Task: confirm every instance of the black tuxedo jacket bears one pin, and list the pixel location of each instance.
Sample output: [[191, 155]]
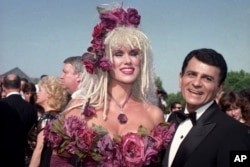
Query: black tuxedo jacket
[[12, 140], [209, 142], [26, 111]]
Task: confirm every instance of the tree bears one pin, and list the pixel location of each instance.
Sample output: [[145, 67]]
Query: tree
[[158, 82], [237, 80]]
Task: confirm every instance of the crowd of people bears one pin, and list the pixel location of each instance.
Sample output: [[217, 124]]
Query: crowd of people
[[104, 110]]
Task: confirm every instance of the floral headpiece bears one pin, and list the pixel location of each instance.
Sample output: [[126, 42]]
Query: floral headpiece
[[110, 19]]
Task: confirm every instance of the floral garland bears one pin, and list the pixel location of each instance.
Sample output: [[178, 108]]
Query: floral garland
[[109, 20], [94, 146]]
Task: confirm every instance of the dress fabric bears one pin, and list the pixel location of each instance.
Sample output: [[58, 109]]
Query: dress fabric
[[94, 147], [32, 137], [60, 161]]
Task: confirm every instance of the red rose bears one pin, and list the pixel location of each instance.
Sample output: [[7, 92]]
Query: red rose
[[97, 44], [97, 31], [86, 139], [89, 67]]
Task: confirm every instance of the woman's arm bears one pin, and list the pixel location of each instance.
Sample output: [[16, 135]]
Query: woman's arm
[[37, 153]]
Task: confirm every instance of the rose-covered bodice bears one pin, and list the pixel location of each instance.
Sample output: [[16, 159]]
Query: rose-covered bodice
[[37, 128], [93, 145]]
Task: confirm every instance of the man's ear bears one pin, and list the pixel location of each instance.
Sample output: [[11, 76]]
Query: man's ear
[[221, 87], [79, 77], [180, 79]]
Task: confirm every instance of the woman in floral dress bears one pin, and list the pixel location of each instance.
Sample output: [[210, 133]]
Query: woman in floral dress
[[113, 119], [52, 98]]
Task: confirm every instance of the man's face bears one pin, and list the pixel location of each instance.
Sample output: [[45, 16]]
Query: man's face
[[199, 84], [70, 79], [177, 107]]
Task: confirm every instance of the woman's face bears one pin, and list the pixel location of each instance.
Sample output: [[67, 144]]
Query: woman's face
[[235, 113], [126, 65], [27, 96], [42, 96]]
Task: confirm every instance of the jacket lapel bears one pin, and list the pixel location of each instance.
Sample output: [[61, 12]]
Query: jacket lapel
[[166, 154], [195, 136]]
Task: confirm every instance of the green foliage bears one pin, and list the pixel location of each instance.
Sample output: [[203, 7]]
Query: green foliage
[[158, 82], [174, 97], [237, 80]]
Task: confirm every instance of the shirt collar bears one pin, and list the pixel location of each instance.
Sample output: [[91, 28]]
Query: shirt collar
[[13, 93], [200, 110]]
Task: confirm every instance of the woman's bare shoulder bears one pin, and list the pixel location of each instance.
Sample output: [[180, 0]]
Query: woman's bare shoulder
[[156, 113]]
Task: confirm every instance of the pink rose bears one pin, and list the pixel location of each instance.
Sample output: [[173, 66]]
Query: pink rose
[[112, 18], [72, 125], [105, 64], [132, 148], [89, 111], [54, 138], [163, 133], [120, 14], [133, 17]]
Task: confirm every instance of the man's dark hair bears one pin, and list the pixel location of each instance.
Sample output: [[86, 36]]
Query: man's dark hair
[[210, 57]]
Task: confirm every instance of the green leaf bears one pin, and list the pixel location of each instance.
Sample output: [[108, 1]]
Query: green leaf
[[143, 131], [117, 138], [96, 156]]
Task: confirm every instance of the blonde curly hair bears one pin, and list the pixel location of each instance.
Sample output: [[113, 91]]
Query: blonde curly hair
[[58, 95]]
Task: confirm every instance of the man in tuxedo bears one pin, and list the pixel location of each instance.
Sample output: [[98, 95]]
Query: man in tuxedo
[[26, 111], [12, 140], [206, 136]]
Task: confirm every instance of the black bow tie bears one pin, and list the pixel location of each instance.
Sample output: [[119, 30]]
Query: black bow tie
[[180, 116]]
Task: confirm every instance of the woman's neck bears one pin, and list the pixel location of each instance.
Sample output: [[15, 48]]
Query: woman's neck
[[48, 109]]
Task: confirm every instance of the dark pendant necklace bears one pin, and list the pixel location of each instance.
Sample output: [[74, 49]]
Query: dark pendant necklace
[[122, 118]]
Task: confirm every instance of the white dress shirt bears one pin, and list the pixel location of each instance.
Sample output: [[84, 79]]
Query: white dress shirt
[[182, 131], [13, 93]]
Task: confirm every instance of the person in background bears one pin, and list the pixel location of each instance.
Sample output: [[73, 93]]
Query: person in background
[[41, 76], [116, 97], [206, 135], [29, 92], [162, 95], [235, 105], [3, 95], [246, 93], [23, 82], [71, 77], [174, 106], [13, 139], [218, 96], [52, 97], [72, 73], [27, 111]]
